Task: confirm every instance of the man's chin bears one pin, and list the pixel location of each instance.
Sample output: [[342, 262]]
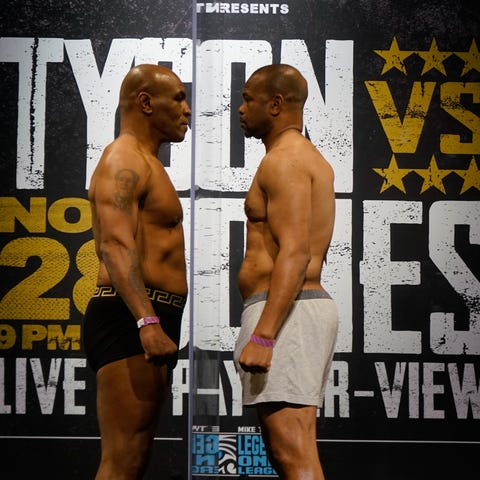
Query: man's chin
[[248, 133], [178, 138]]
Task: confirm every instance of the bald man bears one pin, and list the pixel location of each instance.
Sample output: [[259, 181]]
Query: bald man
[[132, 323], [289, 322]]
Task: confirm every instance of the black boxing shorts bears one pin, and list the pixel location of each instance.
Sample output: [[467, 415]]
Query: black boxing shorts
[[111, 332]]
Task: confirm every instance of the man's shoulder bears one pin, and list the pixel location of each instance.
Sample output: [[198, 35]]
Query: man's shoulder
[[297, 152], [122, 152], [123, 145], [301, 161]]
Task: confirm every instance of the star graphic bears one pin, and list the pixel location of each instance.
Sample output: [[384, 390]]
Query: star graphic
[[434, 59], [433, 176], [471, 176], [394, 58], [471, 58], [392, 175]]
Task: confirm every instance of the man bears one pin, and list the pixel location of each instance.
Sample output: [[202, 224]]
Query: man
[[289, 322], [132, 323]]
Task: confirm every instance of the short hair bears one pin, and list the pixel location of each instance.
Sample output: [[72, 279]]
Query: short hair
[[285, 80]]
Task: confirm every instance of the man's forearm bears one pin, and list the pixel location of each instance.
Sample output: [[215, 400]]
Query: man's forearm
[[287, 278], [125, 274]]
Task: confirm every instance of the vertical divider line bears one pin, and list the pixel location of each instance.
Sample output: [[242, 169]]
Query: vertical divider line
[[191, 380]]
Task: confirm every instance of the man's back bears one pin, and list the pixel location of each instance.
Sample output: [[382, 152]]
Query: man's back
[[291, 196]]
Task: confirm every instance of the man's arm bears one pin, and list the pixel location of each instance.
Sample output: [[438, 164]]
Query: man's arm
[[288, 191], [119, 185]]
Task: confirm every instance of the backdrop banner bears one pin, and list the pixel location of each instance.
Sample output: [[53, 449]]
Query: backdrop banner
[[394, 94], [61, 65], [393, 105]]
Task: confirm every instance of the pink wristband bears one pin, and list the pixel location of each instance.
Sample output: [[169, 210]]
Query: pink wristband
[[264, 342], [147, 321]]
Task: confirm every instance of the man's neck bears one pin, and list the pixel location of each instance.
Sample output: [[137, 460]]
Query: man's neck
[[272, 139], [143, 136]]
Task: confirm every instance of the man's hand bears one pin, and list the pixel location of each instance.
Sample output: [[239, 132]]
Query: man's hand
[[157, 344], [256, 358]]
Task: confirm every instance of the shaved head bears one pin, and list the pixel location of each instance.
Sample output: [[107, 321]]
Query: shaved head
[[143, 78], [282, 79]]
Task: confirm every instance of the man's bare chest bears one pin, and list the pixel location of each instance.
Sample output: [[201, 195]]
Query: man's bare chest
[[255, 205], [160, 205]]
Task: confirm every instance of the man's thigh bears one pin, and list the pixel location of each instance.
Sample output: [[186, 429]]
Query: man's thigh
[[130, 393], [284, 420]]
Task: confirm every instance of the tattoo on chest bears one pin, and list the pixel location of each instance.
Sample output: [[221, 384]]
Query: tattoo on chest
[[126, 181]]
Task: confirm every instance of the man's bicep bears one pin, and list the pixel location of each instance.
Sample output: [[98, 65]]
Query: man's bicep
[[116, 209]]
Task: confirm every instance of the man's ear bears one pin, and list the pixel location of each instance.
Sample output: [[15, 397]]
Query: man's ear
[[144, 102], [276, 104]]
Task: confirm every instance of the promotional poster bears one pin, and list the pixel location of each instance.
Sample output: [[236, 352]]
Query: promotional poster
[[393, 105]]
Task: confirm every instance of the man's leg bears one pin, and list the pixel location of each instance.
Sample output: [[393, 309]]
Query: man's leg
[[289, 433], [130, 393]]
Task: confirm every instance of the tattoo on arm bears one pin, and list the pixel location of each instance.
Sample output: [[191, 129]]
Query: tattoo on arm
[[126, 181], [135, 276], [134, 279]]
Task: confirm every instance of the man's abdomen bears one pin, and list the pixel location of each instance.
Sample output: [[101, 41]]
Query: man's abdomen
[[254, 275]]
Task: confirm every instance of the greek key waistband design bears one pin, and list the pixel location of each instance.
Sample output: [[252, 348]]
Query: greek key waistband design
[[154, 294]]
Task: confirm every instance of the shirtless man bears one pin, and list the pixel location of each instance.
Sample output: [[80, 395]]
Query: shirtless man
[[289, 322], [132, 323]]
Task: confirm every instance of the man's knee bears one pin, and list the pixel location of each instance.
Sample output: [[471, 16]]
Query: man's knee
[[290, 447], [127, 462], [281, 456], [287, 448], [295, 458]]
